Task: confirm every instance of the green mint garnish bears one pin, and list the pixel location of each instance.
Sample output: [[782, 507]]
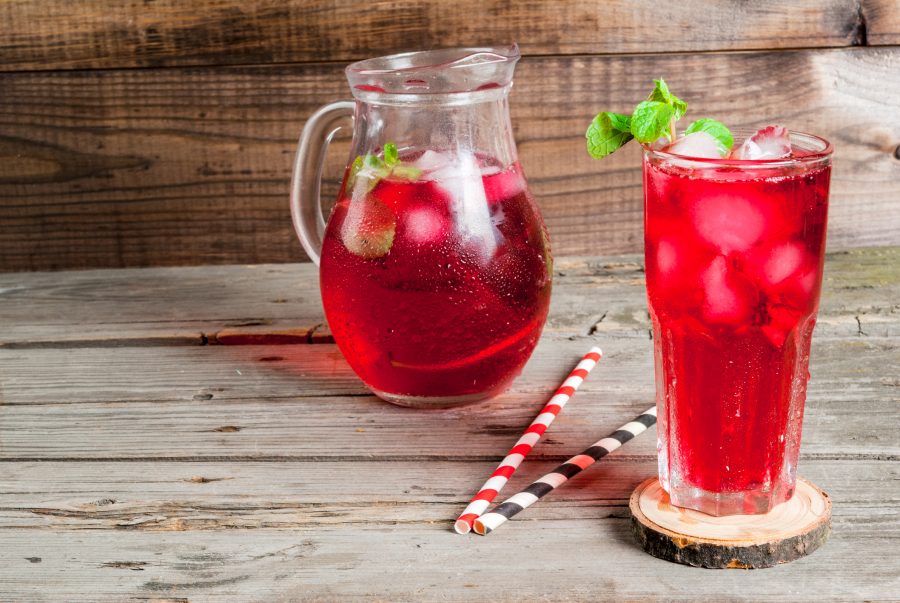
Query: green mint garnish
[[607, 132], [374, 169], [391, 155], [661, 93], [406, 172], [651, 120], [717, 130]]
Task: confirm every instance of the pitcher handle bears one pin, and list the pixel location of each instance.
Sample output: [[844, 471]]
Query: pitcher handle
[[306, 182]]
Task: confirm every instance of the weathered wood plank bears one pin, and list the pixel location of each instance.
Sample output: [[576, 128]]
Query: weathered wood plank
[[56, 34], [574, 560], [882, 21], [189, 496], [262, 402], [208, 181], [169, 306]]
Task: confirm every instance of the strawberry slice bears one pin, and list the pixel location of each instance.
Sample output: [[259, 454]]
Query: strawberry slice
[[771, 142], [369, 228]]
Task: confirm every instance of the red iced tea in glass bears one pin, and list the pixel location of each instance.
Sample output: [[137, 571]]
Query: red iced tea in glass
[[436, 284], [734, 252]]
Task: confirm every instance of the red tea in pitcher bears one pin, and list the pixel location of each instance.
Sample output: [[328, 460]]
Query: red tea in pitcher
[[435, 275]]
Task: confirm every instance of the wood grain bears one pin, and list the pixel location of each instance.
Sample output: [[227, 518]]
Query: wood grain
[[787, 532], [221, 401], [56, 34], [881, 19], [134, 466], [575, 560], [602, 297], [160, 496], [190, 166]]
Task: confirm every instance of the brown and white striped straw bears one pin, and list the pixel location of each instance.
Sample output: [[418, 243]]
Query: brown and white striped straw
[[520, 450], [575, 465]]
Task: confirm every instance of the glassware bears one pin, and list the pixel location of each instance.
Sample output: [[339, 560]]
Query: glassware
[[435, 264], [734, 253]]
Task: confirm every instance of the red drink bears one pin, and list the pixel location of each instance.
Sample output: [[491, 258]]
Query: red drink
[[734, 253], [436, 287]]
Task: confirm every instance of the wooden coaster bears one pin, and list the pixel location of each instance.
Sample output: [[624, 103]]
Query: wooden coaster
[[787, 532]]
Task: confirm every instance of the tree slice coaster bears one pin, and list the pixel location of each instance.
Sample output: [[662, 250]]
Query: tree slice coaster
[[787, 532]]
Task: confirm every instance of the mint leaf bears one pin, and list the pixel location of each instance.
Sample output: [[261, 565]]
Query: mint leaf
[[680, 107], [406, 172], [607, 132], [391, 155], [717, 130], [374, 169], [662, 94], [651, 120], [620, 122], [355, 167]]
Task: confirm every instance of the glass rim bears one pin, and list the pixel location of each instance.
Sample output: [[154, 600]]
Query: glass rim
[[441, 72], [821, 152]]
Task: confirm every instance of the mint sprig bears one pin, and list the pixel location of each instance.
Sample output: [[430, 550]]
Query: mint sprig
[[375, 169], [651, 120], [661, 93]]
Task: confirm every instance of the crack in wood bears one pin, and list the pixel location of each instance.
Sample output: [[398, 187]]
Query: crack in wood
[[861, 30], [199, 479], [137, 566], [596, 326], [859, 329], [154, 585]]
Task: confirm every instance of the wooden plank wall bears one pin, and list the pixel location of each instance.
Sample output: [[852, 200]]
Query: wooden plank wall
[[158, 132]]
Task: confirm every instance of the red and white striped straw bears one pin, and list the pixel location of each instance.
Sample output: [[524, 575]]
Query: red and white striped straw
[[482, 500]]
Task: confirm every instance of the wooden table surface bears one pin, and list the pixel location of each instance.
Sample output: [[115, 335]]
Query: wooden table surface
[[171, 435]]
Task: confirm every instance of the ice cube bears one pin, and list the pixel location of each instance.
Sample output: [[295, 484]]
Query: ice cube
[[785, 272], [698, 144], [727, 298], [728, 223], [431, 161], [782, 262], [503, 185], [462, 182], [666, 258], [771, 142], [424, 225]]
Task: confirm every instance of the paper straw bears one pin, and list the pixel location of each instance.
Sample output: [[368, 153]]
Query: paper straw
[[517, 453], [516, 503]]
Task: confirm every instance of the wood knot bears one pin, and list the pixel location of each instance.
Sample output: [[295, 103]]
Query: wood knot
[[897, 153]]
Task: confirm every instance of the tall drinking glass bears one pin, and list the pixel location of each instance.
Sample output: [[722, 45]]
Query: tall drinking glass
[[734, 253]]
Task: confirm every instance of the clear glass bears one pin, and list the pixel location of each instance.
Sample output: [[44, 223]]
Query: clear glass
[[435, 265], [734, 253]]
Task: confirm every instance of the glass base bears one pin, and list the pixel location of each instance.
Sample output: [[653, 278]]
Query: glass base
[[434, 401], [750, 502]]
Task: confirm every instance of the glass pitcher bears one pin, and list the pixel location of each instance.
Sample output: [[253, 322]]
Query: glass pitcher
[[435, 265]]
